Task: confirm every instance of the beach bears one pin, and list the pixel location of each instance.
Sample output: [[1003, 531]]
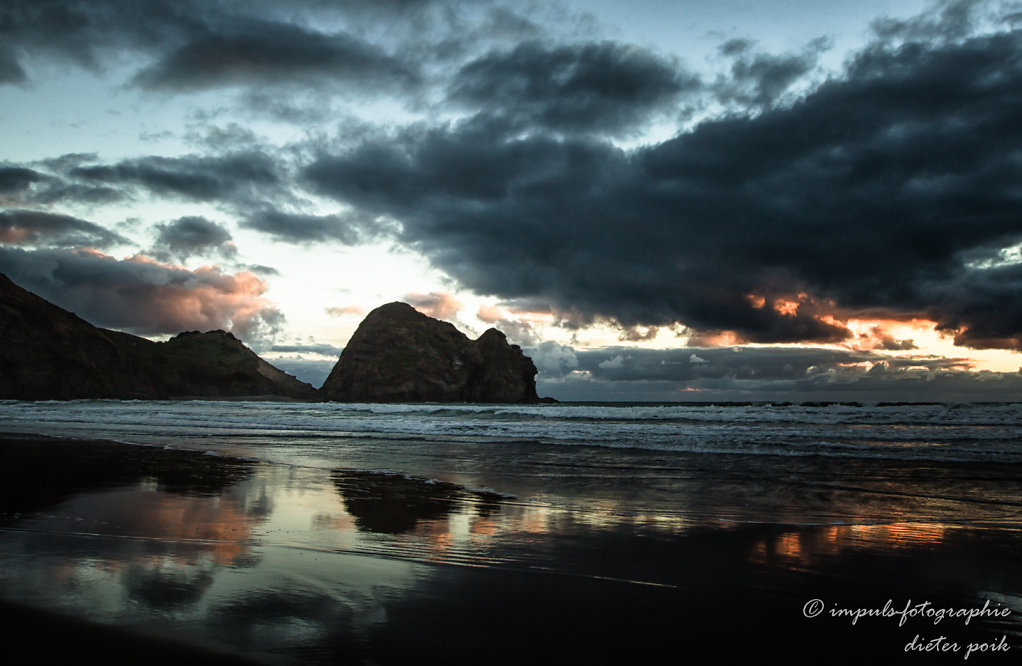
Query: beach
[[283, 545]]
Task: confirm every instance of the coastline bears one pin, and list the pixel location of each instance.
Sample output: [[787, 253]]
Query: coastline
[[289, 564]]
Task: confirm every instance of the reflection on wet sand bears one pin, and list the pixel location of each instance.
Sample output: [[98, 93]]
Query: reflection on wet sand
[[36, 473], [394, 504], [807, 546], [327, 565]]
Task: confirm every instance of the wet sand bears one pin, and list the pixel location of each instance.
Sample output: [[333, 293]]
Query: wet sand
[[123, 551]]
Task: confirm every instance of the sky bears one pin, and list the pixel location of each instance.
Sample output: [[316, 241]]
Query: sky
[[659, 201]]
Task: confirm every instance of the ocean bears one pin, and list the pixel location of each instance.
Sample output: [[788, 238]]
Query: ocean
[[304, 531]]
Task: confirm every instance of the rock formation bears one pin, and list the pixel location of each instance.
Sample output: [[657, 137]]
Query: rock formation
[[398, 354], [47, 353]]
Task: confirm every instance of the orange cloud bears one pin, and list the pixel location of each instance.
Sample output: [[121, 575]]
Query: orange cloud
[[490, 314], [16, 235], [714, 339], [889, 334], [435, 304], [786, 308], [149, 297], [210, 299]]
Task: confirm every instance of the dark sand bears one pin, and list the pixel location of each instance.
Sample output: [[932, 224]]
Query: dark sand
[[115, 553]]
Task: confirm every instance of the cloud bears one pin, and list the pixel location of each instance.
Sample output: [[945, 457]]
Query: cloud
[[29, 227], [16, 179], [22, 186], [144, 296], [195, 45], [435, 304], [490, 314], [319, 348], [760, 373], [57, 191], [301, 228], [758, 80], [240, 177], [517, 331], [945, 21], [340, 311], [84, 33], [802, 365], [983, 308], [615, 363], [887, 342], [10, 70], [553, 360], [190, 235], [230, 137], [635, 334], [262, 270], [268, 52], [873, 191], [603, 87]]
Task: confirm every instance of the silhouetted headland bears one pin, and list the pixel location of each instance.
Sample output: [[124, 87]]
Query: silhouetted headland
[[396, 355], [48, 353]]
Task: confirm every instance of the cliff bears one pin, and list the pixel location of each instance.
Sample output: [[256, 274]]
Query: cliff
[[398, 354], [47, 353]]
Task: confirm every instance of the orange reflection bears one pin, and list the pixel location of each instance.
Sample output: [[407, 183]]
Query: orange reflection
[[806, 546], [223, 529], [483, 526]]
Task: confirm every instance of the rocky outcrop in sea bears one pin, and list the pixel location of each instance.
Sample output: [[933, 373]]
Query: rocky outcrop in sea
[[398, 354]]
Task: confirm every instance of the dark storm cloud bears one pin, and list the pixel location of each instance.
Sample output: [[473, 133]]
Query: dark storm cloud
[[17, 179], [301, 228], [21, 186], [193, 44], [144, 296], [34, 228], [984, 307], [59, 191], [193, 234], [947, 20], [761, 79], [86, 32], [869, 193], [603, 87], [10, 70], [235, 177], [268, 52], [570, 220]]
